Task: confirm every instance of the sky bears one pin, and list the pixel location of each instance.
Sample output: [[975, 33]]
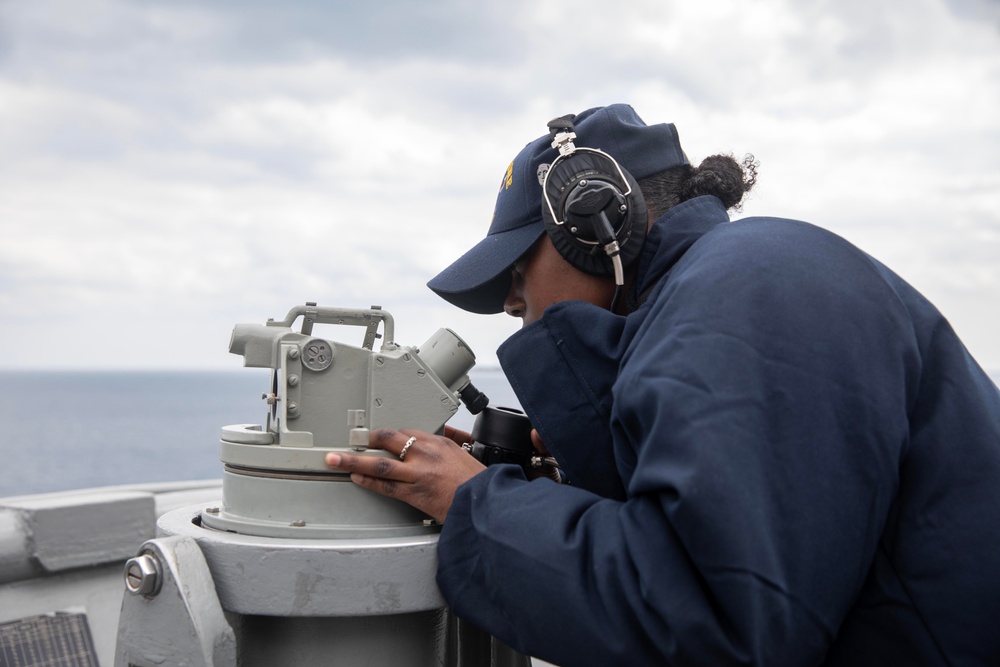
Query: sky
[[169, 168]]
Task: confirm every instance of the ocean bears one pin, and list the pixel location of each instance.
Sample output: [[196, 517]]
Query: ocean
[[72, 430]]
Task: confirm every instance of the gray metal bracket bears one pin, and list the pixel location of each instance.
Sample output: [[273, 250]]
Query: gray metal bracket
[[170, 612]]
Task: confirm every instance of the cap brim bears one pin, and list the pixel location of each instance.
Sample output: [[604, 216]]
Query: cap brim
[[479, 280]]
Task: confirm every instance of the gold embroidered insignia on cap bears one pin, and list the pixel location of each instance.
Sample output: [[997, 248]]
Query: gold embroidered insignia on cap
[[508, 180]]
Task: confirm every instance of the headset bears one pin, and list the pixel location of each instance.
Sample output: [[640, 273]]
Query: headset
[[592, 208]]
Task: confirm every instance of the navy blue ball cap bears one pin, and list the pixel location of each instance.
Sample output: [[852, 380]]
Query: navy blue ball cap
[[479, 280]]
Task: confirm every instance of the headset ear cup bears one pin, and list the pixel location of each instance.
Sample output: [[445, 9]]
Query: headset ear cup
[[580, 257], [632, 235], [576, 239]]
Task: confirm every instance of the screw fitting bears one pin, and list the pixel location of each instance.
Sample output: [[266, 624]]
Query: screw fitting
[[142, 575]]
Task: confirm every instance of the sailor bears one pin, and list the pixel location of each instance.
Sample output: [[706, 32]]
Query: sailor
[[776, 450]]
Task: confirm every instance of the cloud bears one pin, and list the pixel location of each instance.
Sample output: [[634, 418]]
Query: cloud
[[168, 169]]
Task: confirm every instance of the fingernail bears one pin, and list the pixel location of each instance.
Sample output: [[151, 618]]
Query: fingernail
[[333, 460]]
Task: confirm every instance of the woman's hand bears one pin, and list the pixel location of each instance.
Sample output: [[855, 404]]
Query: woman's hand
[[427, 473]]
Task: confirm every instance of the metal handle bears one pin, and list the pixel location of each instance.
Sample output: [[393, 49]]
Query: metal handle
[[312, 314]]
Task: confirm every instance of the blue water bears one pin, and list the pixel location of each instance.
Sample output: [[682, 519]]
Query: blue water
[[71, 430]]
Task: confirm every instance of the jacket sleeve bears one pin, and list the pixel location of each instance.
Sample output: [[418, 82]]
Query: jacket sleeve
[[759, 420]]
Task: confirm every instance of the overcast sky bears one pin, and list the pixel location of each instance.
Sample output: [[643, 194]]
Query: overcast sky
[[169, 168]]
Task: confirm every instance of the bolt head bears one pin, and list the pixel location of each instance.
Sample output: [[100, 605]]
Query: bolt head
[[142, 575]]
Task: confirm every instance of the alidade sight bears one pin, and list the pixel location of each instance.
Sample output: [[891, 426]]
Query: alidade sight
[[326, 396]]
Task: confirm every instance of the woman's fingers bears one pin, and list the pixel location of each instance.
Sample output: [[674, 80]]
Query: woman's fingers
[[372, 466], [426, 473], [457, 436]]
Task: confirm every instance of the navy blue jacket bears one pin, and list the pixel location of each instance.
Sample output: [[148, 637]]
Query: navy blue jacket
[[784, 456]]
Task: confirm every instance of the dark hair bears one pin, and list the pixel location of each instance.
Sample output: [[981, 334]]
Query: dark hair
[[719, 175]]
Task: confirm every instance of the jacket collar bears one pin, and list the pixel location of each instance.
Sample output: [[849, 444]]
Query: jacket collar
[[672, 234], [563, 366]]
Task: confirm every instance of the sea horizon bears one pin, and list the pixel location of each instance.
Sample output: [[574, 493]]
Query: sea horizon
[[83, 428]]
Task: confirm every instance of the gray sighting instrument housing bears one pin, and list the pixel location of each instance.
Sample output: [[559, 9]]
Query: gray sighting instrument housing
[[325, 396], [297, 565]]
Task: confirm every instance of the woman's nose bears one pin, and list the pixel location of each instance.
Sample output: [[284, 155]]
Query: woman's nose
[[514, 304]]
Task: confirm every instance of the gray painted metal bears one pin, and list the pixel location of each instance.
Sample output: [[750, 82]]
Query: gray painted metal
[[93, 587], [346, 602], [326, 396], [309, 568], [329, 506], [53, 533], [311, 405], [314, 577], [183, 623]]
